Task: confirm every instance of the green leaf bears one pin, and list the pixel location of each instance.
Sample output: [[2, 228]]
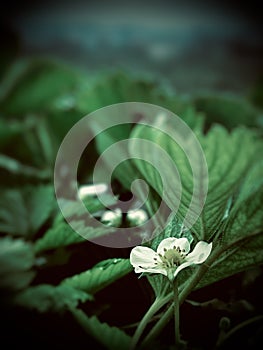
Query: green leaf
[[17, 168], [111, 337], [9, 131], [100, 276], [242, 256], [16, 262], [246, 215], [24, 211], [32, 85], [93, 204], [61, 234], [231, 111], [229, 157], [45, 297], [119, 88]]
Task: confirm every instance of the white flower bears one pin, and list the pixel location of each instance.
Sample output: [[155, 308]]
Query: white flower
[[171, 257]]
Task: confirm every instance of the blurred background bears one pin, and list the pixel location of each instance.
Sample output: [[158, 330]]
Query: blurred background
[[205, 51], [194, 45]]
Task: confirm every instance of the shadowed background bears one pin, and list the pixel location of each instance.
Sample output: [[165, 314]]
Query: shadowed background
[[194, 45]]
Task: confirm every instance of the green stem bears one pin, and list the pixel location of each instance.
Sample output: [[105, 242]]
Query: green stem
[[156, 330], [176, 315], [157, 304]]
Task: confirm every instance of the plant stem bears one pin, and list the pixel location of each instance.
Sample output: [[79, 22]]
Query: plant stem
[[157, 304], [176, 315], [155, 331]]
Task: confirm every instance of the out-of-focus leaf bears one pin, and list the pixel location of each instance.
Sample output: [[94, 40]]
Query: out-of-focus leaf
[[8, 131], [121, 88], [100, 276], [45, 297], [24, 211], [92, 203], [32, 85], [230, 111], [16, 262], [61, 234], [111, 337], [15, 167]]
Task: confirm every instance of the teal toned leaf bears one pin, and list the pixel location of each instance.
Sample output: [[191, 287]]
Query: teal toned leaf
[[246, 216], [111, 337], [100, 276], [45, 297], [113, 89], [17, 168], [61, 234], [229, 157], [33, 85], [24, 211], [8, 131], [119, 88], [243, 255], [92, 203], [231, 111], [16, 262]]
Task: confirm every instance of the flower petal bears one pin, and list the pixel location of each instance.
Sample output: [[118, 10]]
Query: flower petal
[[167, 243], [200, 253], [139, 269], [182, 266], [171, 242], [143, 256], [183, 244]]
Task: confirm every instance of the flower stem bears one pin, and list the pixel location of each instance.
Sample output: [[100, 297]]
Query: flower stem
[[157, 304], [176, 315], [199, 273]]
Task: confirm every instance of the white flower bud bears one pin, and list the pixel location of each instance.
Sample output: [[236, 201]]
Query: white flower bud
[[136, 217], [112, 218], [91, 190]]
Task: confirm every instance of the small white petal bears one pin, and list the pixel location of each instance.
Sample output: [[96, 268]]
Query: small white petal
[[151, 270], [200, 253], [183, 244], [182, 266], [143, 257], [143, 260], [169, 243]]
